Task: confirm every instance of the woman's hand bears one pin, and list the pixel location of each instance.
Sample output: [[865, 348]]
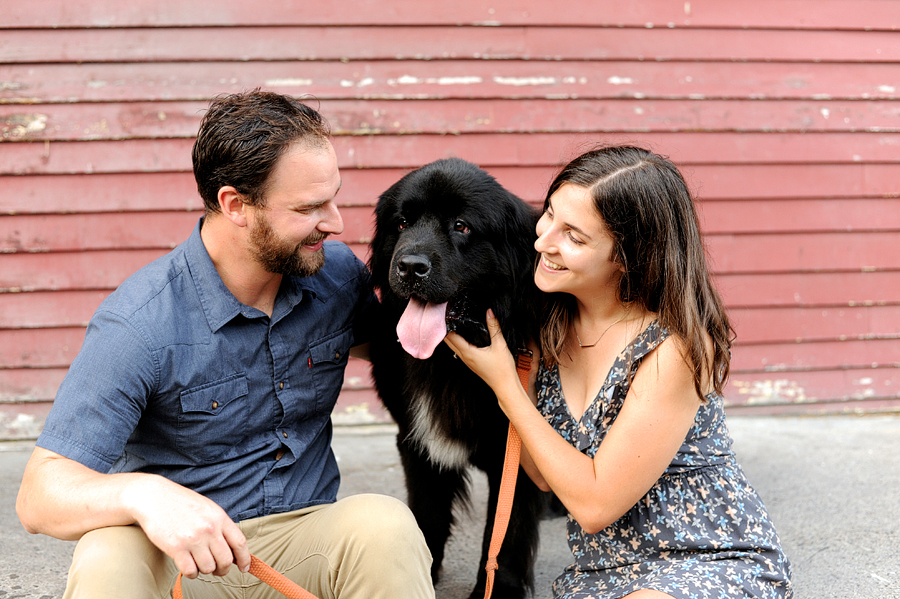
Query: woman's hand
[[494, 363]]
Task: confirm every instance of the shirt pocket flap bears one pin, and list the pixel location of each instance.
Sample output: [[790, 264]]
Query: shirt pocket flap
[[212, 397], [333, 349]]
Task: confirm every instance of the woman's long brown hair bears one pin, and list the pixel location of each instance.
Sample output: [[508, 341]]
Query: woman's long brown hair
[[647, 208]]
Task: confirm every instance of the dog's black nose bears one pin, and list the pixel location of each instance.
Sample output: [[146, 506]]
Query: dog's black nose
[[413, 266]]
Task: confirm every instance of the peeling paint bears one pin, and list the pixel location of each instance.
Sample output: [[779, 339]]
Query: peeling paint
[[456, 80], [771, 391], [17, 126], [887, 89], [520, 81], [615, 80], [288, 82], [20, 426]]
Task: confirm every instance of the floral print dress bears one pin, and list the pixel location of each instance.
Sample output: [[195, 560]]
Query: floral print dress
[[701, 532]]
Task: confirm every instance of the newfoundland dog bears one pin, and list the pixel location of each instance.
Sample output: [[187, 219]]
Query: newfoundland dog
[[450, 243]]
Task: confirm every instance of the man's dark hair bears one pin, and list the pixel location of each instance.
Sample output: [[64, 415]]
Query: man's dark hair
[[241, 138]]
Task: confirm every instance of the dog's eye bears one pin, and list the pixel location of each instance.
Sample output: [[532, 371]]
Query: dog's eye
[[461, 227], [402, 224]]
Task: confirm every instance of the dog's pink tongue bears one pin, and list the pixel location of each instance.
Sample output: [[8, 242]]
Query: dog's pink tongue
[[422, 327]]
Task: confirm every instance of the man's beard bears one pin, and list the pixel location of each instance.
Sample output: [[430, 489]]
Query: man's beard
[[282, 258]]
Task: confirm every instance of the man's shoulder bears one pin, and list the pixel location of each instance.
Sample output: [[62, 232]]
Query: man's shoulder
[[152, 284]]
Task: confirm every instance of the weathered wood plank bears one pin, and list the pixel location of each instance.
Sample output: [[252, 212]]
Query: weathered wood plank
[[96, 82], [809, 289], [756, 149], [824, 355], [154, 120], [71, 270], [709, 182], [98, 231], [49, 309], [98, 192], [40, 348], [805, 252], [768, 388], [441, 43], [29, 384], [834, 14], [796, 216], [791, 324], [166, 229]]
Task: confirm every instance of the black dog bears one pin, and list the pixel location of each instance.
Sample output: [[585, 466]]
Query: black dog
[[450, 243]]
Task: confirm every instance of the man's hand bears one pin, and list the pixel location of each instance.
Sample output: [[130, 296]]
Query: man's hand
[[191, 529], [65, 499]]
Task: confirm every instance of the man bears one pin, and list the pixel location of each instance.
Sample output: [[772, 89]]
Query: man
[[193, 428]]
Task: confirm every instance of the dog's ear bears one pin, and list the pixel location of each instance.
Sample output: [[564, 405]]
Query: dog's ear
[[380, 253]]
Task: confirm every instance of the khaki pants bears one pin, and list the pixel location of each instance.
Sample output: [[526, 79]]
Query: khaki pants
[[362, 547]]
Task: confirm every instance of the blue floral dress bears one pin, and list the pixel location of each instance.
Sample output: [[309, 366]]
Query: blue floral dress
[[701, 532]]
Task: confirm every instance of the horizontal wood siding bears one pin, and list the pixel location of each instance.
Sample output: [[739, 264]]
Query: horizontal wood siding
[[785, 118]]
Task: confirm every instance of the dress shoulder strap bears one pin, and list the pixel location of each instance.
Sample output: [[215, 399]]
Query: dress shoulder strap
[[630, 357]]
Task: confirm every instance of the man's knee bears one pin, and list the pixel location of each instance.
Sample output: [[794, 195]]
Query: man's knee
[[389, 555], [379, 519], [117, 562]]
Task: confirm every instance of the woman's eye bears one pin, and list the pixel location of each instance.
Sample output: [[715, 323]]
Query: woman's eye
[[574, 239], [461, 227]]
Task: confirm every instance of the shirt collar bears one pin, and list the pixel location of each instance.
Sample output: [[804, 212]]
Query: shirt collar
[[219, 304]]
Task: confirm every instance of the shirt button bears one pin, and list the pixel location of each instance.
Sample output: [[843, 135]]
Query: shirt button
[[281, 385], [337, 355], [215, 405], [284, 434]]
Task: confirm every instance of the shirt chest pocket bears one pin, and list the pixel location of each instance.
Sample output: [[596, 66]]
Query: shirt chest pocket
[[213, 419], [328, 359]]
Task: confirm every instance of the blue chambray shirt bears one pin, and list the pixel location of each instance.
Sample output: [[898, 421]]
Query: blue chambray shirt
[[176, 377]]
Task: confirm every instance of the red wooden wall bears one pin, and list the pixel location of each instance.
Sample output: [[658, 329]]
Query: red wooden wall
[[785, 117]]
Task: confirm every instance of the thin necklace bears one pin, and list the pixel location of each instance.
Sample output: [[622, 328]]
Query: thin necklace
[[583, 346]]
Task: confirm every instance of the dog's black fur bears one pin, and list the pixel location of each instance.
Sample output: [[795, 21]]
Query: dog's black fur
[[448, 232]]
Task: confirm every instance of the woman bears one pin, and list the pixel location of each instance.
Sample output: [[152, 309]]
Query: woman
[[633, 441]]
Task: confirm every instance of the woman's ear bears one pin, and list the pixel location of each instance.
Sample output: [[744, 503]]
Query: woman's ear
[[232, 205]]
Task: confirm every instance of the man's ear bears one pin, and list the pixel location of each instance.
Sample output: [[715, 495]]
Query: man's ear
[[232, 205]]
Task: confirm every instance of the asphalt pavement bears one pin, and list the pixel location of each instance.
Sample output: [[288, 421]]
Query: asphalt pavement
[[830, 483]]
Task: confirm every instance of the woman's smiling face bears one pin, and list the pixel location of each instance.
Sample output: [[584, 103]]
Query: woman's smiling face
[[575, 247]]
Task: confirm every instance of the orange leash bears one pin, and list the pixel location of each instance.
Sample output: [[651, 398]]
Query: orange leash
[[507, 481], [265, 573]]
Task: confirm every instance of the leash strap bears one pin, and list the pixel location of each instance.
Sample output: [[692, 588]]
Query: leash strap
[[268, 575], [507, 482]]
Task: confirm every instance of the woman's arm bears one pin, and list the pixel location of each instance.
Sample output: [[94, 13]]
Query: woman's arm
[[653, 423]]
